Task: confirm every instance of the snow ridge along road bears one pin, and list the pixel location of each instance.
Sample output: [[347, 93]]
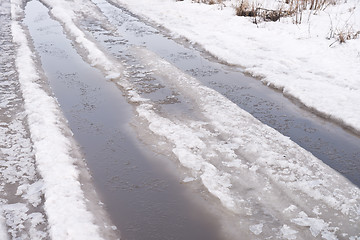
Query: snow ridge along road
[[22, 214], [291, 193], [41, 196]]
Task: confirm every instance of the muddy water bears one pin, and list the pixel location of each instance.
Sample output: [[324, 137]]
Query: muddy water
[[329, 142], [143, 199]]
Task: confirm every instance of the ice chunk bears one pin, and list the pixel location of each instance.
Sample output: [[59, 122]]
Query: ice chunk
[[288, 233], [316, 225], [189, 179], [256, 229]]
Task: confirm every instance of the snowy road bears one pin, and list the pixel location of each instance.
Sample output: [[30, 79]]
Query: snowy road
[[262, 182]]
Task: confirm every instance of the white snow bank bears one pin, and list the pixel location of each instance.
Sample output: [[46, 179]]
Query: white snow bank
[[65, 204], [294, 58]]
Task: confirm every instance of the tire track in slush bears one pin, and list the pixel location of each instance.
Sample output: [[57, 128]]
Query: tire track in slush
[[144, 200]]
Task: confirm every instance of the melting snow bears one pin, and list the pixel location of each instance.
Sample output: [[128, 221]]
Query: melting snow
[[247, 173]]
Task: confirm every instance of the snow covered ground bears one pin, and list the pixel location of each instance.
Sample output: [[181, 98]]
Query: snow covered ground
[[297, 59], [270, 185]]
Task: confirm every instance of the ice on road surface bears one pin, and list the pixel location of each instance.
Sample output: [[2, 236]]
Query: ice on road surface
[[271, 186]]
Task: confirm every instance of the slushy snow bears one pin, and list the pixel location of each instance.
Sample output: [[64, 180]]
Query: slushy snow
[[270, 164], [273, 187]]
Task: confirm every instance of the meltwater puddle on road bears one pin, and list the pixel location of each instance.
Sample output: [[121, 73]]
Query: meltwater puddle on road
[[142, 198], [327, 141]]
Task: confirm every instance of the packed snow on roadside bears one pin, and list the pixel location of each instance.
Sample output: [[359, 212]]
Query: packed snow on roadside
[[297, 59], [21, 190]]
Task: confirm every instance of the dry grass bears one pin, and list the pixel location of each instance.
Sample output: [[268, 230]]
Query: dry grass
[[293, 8], [310, 4], [287, 8], [210, 2], [259, 13], [298, 6], [343, 31], [343, 35]]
